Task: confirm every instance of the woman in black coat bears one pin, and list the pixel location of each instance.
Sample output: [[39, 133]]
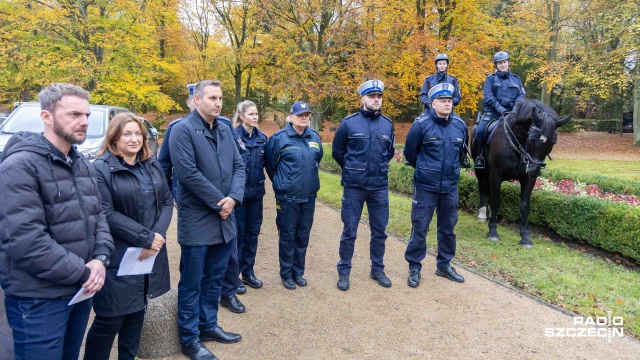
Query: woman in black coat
[[138, 204]]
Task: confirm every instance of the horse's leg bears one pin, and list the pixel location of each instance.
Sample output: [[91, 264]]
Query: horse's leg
[[494, 205], [482, 191], [526, 187]]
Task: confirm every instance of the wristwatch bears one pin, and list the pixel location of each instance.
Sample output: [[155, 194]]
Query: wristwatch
[[103, 258]]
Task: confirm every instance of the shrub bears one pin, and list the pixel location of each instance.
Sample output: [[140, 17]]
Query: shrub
[[610, 226]]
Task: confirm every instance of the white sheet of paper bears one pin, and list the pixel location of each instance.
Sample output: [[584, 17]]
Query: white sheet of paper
[[80, 296], [130, 265]]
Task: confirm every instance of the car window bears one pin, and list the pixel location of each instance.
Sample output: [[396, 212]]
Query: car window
[[27, 118]]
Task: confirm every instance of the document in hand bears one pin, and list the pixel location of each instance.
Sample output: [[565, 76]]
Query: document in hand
[[130, 265], [80, 296]]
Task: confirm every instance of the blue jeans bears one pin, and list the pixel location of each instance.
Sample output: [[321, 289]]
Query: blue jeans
[[47, 328], [201, 271], [424, 204], [353, 200], [249, 220], [294, 221]]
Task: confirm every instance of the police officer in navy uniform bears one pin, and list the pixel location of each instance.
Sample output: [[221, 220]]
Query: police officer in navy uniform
[[363, 146], [249, 214], [441, 76], [293, 157], [434, 148], [502, 90]]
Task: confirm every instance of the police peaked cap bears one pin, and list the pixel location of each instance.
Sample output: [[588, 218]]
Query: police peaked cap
[[441, 91], [371, 87]]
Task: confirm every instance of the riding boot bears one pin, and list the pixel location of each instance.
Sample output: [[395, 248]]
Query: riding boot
[[478, 163]]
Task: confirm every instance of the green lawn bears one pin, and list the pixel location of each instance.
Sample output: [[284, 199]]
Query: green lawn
[[550, 271], [621, 169]]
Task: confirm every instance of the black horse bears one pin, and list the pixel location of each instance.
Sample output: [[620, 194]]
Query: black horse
[[517, 151]]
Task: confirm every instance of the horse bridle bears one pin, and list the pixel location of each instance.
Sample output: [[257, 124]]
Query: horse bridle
[[533, 166]]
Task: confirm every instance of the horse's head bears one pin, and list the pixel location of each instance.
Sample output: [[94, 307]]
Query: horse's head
[[542, 121]]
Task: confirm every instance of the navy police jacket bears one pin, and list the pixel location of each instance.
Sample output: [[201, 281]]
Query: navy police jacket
[[501, 92], [164, 156], [363, 146], [209, 167], [435, 79], [254, 158], [292, 163], [434, 147]]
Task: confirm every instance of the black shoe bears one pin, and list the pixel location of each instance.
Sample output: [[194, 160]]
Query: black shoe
[[450, 273], [219, 335], [479, 163], [414, 278], [242, 289], [300, 280], [289, 284], [343, 282], [252, 281], [197, 351], [233, 303], [381, 278]]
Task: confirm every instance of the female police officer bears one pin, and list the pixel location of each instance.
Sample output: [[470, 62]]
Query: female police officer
[[293, 156], [502, 90]]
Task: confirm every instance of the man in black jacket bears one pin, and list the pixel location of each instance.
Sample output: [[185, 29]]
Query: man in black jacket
[[53, 233], [211, 178]]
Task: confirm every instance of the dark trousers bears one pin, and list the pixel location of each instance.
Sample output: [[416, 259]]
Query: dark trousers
[[47, 328], [231, 279], [103, 332], [353, 200], [483, 123], [248, 221], [424, 204], [294, 221], [201, 271]]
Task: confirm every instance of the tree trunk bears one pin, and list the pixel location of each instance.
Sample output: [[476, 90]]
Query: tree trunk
[[237, 76], [554, 19], [636, 107]]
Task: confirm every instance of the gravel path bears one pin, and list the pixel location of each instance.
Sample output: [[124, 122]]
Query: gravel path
[[440, 319]]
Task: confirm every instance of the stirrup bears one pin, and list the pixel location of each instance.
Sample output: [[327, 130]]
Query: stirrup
[[478, 163]]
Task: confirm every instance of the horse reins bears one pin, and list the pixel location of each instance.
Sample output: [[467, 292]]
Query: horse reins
[[519, 148]]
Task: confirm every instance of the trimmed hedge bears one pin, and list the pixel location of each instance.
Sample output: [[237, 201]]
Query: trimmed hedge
[[611, 226]]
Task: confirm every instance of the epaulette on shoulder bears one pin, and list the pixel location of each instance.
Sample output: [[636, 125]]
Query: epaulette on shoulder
[[384, 117], [457, 117], [279, 132], [350, 116], [420, 119], [515, 75], [314, 130], [224, 120], [175, 121], [455, 78]]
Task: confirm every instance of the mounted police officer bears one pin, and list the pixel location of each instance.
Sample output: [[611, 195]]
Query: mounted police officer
[[363, 146], [435, 149], [502, 90], [440, 77], [293, 156]]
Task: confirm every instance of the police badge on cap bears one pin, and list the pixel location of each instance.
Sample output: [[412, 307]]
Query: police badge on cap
[[441, 91], [371, 87]]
